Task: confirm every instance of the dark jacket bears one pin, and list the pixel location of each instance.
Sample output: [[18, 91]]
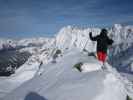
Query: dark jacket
[[103, 41]]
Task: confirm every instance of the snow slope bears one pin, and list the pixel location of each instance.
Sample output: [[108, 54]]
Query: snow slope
[[61, 81], [39, 48]]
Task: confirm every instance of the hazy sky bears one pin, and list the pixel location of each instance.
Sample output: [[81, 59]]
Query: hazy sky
[[22, 18]]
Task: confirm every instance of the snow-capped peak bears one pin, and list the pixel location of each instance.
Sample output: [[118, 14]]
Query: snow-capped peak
[[117, 26], [69, 37]]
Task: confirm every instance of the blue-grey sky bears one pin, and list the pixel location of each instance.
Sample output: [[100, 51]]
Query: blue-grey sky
[[29, 18]]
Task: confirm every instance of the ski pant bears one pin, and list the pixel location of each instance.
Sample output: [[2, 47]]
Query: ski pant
[[101, 56]]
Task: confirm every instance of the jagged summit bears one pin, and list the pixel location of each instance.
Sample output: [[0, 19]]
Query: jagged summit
[[118, 32]]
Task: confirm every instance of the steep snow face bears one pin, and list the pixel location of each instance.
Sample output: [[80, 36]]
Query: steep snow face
[[69, 37], [121, 34], [120, 55]]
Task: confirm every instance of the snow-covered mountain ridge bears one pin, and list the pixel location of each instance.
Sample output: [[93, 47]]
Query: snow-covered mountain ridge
[[69, 39], [61, 81], [70, 36], [8, 43]]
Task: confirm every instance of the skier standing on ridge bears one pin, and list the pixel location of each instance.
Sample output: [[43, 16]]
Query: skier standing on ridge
[[103, 41]]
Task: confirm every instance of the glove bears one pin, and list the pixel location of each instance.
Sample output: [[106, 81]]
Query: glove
[[90, 34]]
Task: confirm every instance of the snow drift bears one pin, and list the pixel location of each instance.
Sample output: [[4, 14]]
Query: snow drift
[[93, 66]]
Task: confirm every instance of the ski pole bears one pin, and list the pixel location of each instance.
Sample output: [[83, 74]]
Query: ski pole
[[85, 44]]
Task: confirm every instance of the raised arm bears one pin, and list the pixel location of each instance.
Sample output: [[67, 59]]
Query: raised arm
[[92, 38], [110, 41]]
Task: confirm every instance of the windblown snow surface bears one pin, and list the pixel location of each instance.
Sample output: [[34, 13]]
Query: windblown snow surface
[[44, 78]]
